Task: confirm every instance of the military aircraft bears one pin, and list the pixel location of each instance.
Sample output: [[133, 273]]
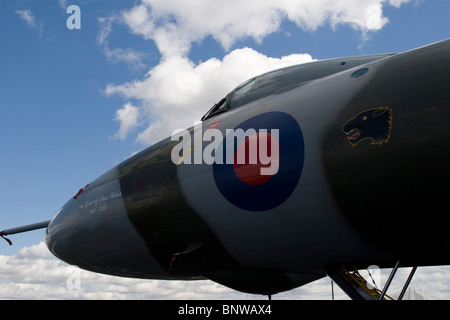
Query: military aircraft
[[318, 169]]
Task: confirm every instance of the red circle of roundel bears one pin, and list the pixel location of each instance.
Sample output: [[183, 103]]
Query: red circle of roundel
[[267, 165], [251, 171]]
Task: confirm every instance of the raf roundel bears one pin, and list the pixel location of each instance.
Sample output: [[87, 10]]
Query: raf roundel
[[267, 164]]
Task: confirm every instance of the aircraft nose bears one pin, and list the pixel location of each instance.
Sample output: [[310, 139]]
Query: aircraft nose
[[62, 231], [93, 231]]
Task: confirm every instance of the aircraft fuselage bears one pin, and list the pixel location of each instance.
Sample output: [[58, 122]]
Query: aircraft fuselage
[[360, 147]]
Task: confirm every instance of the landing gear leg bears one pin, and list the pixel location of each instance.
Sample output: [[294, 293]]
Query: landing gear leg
[[356, 287]]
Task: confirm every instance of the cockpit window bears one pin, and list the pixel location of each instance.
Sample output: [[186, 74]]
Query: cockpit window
[[219, 107], [287, 79], [245, 87]]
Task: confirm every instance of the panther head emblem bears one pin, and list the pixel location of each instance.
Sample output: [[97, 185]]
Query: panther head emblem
[[374, 124]]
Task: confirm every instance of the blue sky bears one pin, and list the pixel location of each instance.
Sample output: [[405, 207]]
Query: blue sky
[[77, 102]]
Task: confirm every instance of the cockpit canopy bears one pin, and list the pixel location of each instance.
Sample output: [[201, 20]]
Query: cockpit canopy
[[286, 79]]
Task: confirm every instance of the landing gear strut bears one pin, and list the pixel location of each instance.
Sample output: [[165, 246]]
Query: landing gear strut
[[357, 288]]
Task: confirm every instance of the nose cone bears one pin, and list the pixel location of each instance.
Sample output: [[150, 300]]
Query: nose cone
[[93, 231], [61, 238]]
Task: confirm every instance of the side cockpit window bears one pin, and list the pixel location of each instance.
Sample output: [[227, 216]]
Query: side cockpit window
[[219, 107], [225, 104], [245, 87]]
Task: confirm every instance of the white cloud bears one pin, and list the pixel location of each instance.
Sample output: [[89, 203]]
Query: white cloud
[[128, 118], [374, 17], [34, 273], [129, 56], [175, 24], [177, 92], [398, 3], [28, 17]]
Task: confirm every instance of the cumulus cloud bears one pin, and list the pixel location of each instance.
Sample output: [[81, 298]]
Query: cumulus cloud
[[128, 118], [178, 91], [175, 24]]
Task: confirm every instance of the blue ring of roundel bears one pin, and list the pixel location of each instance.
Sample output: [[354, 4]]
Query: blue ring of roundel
[[279, 187]]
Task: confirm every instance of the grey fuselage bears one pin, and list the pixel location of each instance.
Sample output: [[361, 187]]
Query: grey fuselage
[[362, 171]]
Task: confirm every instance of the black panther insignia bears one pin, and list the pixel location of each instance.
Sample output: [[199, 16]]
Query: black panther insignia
[[374, 124]]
